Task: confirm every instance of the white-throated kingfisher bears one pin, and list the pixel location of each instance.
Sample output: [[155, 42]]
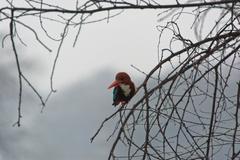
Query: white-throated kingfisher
[[124, 88]]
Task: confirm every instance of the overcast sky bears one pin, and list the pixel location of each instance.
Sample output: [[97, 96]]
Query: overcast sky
[[63, 130], [82, 101]]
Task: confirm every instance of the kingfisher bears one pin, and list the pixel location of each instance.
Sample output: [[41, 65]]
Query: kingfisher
[[124, 88]]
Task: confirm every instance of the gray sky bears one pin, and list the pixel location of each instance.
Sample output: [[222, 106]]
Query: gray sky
[[66, 126], [82, 76]]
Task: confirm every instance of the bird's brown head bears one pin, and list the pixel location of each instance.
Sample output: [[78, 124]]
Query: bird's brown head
[[121, 77]]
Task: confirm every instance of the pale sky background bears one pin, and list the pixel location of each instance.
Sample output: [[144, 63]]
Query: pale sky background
[[130, 38], [82, 75], [82, 101]]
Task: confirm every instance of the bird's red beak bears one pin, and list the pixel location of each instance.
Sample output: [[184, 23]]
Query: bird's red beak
[[114, 84]]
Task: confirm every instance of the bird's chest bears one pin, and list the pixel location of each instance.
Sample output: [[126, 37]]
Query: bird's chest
[[125, 89]]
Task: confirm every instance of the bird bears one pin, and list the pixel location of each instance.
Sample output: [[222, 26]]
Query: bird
[[124, 89]]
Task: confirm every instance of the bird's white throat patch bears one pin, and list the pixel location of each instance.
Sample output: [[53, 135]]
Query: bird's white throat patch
[[126, 89]]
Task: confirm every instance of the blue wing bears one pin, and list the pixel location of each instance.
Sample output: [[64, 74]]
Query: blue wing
[[115, 93]]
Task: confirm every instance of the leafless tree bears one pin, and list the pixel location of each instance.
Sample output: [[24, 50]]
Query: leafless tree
[[187, 107]]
